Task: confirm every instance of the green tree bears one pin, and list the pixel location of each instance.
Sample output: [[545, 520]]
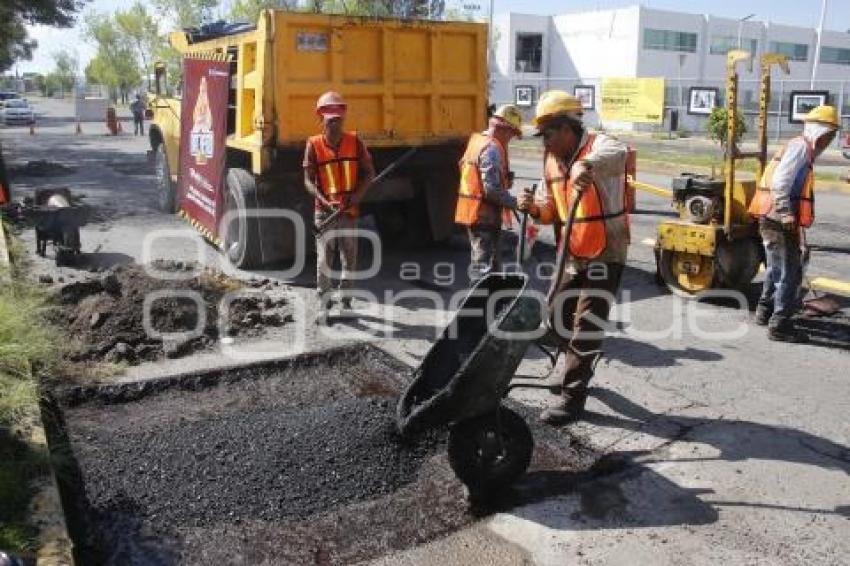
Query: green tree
[[63, 77], [141, 31], [717, 126], [185, 13], [115, 63], [249, 10], [15, 15]]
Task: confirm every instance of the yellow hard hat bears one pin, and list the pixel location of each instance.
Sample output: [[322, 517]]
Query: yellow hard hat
[[826, 115], [555, 103], [511, 116]]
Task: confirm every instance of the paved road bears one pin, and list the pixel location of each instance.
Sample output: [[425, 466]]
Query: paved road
[[723, 447]]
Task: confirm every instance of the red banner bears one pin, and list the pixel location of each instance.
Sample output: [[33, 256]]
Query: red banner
[[203, 130]]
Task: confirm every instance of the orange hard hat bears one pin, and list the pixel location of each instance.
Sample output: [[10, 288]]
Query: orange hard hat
[[331, 105]]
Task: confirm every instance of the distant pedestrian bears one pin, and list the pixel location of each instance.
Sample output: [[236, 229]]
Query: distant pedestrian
[[785, 206], [137, 107]]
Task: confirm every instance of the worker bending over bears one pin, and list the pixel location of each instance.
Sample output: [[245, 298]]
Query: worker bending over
[[337, 171], [593, 165], [484, 201], [784, 204]]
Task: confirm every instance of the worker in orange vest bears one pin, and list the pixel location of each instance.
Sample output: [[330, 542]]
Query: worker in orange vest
[[592, 165], [337, 170], [784, 205], [484, 202]]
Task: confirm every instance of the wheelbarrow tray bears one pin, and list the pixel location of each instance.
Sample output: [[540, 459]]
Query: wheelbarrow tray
[[467, 371]]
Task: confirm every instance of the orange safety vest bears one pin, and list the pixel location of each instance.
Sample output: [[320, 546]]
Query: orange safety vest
[[337, 169], [471, 192], [588, 238], [802, 193]]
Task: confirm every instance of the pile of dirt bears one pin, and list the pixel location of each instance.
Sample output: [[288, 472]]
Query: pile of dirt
[[106, 314], [40, 168]]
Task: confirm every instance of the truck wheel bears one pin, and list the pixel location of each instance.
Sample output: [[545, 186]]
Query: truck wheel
[[490, 452], [242, 232], [165, 191]]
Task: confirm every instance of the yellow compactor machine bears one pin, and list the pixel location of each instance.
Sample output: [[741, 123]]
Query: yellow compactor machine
[[715, 243]]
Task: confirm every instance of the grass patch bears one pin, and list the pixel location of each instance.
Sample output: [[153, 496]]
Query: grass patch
[[28, 347]]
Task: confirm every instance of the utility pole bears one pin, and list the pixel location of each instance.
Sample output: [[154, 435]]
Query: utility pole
[[490, 35], [741, 30], [817, 45]]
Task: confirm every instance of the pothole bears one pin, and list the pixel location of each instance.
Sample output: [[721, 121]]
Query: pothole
[[289, 462]]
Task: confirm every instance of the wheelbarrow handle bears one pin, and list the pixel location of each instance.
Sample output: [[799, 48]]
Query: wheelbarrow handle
[[564, 252]]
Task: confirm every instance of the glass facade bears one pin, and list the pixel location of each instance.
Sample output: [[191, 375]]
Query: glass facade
[[723, 44], [529, 52], [794, 51], [668, 40], [835, 55]]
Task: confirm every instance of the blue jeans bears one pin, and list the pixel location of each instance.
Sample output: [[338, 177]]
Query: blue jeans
[[781, 292]]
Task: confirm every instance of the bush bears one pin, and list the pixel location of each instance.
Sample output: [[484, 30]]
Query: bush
[[716, 126]]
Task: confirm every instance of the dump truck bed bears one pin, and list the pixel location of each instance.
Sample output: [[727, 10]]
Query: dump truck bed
[[406, 82]]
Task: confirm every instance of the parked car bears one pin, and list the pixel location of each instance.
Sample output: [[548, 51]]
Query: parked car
[[7, 95], [17, 111], [845, 145]]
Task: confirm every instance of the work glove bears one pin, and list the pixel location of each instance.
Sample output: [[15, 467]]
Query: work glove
[[581, 175], [789, 222]]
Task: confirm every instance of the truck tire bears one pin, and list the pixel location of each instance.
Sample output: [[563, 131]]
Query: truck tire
[[166, 194], [242, 236]]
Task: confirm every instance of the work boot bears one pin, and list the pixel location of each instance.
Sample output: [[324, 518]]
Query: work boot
[[567, 409], [787, 333], [763, 314]]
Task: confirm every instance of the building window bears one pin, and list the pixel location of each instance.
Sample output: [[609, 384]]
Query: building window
[[794, 51], [529, 52], [835, 55], [723, 44], [666, 40]]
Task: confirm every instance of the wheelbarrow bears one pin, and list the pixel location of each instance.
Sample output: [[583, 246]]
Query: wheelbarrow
[[469, 370], [464, 377], [57, 220]]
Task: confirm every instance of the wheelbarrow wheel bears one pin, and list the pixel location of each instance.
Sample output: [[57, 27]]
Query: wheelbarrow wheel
[[490, 452]]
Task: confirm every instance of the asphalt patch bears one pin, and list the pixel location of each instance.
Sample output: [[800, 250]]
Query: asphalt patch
[[291, 462]]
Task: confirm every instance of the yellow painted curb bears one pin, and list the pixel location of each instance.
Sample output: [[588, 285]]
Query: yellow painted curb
[[830, 285]]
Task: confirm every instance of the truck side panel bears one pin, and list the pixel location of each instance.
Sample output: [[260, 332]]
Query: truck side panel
[[406, 83]]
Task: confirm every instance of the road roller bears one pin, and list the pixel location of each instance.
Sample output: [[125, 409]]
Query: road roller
[[714, 244]]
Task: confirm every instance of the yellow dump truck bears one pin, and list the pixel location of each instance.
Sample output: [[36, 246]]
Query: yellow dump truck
[[231, 147]]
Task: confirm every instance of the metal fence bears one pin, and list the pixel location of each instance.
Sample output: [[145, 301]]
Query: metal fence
[[677, 98]]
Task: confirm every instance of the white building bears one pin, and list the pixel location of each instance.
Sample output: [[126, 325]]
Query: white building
[[687, 50]]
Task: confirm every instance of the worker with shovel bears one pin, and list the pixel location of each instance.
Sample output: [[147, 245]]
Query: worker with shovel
[[337, 171], [584, 188], [784, 205], [484, 202]]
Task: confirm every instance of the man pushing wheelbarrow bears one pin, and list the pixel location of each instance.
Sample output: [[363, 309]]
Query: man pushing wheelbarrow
[[584, 171], [470, 369]]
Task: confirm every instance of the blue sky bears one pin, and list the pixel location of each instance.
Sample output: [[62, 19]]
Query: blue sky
[[792, 12]]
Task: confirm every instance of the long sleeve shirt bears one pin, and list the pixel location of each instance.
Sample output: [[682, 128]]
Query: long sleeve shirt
[[495, 192], [786, 176], [608, 160]]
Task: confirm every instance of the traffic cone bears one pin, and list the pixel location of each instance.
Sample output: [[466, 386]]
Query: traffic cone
[[79, 128]]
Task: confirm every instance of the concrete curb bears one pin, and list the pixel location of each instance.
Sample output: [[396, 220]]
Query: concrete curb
[[46, 513], [54, 544]]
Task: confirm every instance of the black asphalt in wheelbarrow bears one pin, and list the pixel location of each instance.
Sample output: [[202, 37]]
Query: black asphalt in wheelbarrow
[[464, 377]]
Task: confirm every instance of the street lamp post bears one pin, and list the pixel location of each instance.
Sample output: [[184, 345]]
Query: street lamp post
[[741, 29]]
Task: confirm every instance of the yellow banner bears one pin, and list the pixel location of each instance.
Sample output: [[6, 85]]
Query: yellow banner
[[633, 100]]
